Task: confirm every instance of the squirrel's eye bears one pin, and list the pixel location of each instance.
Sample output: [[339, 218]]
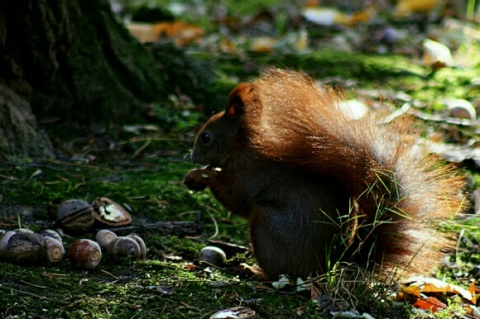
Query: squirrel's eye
[[205, 137]]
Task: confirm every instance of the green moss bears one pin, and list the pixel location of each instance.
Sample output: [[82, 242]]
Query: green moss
[[142, 289]]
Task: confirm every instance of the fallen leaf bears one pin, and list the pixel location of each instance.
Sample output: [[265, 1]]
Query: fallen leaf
[[432, 285], [429, 303], [407, 7]]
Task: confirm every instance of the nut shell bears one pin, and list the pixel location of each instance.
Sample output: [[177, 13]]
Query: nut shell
[[23, 230], [141, 244], [26, 248], [52, 234], [104, 237], [85, 253], [235, 312], [55, 250], [211, 255], [109, 213], [4, 242], [123, 247], [75, 216]]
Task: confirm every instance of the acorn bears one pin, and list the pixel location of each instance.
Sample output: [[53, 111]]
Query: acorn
[[75, 216], [55, 250], [85, 253], [104, 237], [213, 256], [141, 244], [26, 248], [123, 247]]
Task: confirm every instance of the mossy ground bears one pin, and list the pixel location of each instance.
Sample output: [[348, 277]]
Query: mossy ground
[[147, 289], [145, 172]]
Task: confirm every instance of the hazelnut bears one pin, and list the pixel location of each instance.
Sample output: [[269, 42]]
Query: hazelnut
[[52, 234], [85, 253], [123, 247], [141, 244], [55, 250], [104, 237], [26, 248], [211, 255]]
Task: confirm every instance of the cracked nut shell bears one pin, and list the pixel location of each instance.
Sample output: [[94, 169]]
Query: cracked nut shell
[[109, 213]]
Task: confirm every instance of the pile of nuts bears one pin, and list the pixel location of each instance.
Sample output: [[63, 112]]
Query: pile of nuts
[[23, 246], [86, 253], [76, 216]]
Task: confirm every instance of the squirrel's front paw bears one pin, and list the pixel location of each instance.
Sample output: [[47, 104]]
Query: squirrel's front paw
[[196, 179]]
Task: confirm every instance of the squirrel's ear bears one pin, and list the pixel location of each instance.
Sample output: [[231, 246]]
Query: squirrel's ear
[[235, 104], [235, 107]]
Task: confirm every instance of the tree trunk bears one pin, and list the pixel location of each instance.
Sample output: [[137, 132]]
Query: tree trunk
[[19, 134], [67, 62]]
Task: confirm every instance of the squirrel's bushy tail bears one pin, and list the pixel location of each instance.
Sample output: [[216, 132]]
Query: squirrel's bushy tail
[[393, 178]]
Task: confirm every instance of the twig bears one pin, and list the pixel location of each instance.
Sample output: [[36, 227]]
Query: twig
[[49, 274], [33, 285], [141, 148], [407, 109], [140, 139], [214, 222], [440, 118], [109, 274], [35, 295], [10, 178], [188, 306], [397, 113], [80, 165]]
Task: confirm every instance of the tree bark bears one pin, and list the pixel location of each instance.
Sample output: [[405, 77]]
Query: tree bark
[[68, 62], [19, 134]]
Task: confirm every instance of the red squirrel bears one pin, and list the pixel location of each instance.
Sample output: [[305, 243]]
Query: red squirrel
[[317, 186]]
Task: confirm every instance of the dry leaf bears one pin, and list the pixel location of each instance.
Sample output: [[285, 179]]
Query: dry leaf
[[407, 7], [432, 285], [180, 32], [263, 45], [429, 303]]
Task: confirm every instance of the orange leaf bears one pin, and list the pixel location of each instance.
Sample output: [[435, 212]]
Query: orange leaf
[[430, 303], [472, 289], [181, 32], [432, 285]]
